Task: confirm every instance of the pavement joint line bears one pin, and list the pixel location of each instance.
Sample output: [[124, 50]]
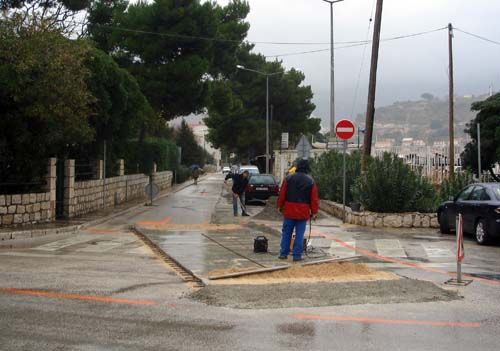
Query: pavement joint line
[[182, 272], [372, 254], [73, 296], [367, 320], [163, 221]]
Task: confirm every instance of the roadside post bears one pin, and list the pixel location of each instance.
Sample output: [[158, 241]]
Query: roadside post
[[152, 190], [460, 253], [345, 130]]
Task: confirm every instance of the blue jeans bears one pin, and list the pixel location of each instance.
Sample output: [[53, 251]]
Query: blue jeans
[[235, 203], [286, 237]]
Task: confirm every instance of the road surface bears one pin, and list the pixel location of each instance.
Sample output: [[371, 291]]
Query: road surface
[[103, 289]]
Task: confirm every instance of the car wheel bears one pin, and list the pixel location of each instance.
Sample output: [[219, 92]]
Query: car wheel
[[482, 236], [444, 227]]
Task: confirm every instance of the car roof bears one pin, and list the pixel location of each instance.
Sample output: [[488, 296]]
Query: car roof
[[488, 185]]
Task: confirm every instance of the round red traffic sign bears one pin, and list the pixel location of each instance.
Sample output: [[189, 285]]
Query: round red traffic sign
[[345, 129]]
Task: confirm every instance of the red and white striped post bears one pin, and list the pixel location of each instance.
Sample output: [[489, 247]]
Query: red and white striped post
[[460, 246]]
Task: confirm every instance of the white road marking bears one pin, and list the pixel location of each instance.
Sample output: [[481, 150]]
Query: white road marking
[[61, 244], [102, 246], [389, 248], [437, 252], [342, 252]]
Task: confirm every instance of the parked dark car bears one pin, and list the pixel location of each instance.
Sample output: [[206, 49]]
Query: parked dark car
[[479, 205], [261, 187]]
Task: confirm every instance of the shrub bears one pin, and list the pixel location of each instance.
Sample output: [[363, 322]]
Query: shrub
[[390, 185], [327, 173], [183, 173], [453, 185], [140, 156]]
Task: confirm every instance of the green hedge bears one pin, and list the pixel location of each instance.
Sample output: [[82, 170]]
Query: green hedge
[[453, 185], [141, 156], [390, 185], [327, 172]]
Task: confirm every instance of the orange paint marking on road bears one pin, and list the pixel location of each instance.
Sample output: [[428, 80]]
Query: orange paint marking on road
[[369, 253], [164, 221], [101, 231], [366, 320], [70, 296]]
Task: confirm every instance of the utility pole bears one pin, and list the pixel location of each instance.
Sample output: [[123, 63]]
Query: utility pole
[[451, 117], [332, 70], [267, 124], [479, 171], [370, 109]]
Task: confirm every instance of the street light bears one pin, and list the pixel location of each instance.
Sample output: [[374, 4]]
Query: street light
[[267, 105], [332, 70]]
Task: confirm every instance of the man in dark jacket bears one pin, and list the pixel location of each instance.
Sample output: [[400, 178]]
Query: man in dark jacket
[[240, 182], [298, 201]]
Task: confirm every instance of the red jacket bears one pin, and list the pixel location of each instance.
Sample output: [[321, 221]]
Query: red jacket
[[298, 197]]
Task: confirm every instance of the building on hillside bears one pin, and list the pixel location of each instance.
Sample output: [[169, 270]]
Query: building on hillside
[[200, 131]]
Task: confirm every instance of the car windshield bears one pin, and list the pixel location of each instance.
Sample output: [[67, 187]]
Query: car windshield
[[496, 190], [250, 170], [262, 179]]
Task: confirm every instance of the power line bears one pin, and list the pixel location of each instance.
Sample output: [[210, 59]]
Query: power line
[[358, 43], [192, 37], [362, 63], [477, 36]]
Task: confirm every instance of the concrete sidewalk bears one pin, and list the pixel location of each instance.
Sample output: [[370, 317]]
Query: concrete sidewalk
[[23, 235]]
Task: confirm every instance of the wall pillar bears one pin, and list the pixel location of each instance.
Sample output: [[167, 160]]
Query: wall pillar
[[99, 169], [121, 167], [69, 188], [50, 186]]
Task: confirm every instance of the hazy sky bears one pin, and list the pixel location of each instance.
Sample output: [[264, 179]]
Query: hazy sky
[[407, 67]]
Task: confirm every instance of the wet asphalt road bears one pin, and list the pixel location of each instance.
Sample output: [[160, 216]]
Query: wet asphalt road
[[104, 290]]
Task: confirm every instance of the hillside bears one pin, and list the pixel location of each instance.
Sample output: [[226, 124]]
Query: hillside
[[426, 119]]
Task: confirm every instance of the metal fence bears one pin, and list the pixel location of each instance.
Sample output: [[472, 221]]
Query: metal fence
[[85, 170], [7, 188]]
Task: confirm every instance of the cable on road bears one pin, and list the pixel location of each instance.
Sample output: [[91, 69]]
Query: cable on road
[[235, 252]]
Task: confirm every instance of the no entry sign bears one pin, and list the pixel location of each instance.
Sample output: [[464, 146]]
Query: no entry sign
[[345, 129]]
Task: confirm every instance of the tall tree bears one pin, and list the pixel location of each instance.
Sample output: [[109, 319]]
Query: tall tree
[[489, 118], [191, 152], [166, 45], [66, 16], [45, 103], [237, 113]]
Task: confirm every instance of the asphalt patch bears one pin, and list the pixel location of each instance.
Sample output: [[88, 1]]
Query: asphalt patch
[[322, 294]]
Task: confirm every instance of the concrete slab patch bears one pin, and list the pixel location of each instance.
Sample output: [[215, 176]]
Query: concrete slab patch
[[322, 294]]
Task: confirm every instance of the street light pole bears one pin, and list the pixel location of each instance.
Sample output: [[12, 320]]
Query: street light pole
[[332, 69], [267, 106]]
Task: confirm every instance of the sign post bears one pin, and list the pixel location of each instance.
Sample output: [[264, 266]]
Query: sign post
[[460, 253], [344, 129], [460, 246], [303, 148]]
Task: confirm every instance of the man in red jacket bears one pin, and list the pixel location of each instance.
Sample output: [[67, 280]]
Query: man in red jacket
[[298, 201]]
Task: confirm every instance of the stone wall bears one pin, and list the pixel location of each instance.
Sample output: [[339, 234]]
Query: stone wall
[[88, 195], [21, 209], [26, 209], [379, 220]]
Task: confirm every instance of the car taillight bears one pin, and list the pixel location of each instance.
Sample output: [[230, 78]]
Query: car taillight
[[249, 188]]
